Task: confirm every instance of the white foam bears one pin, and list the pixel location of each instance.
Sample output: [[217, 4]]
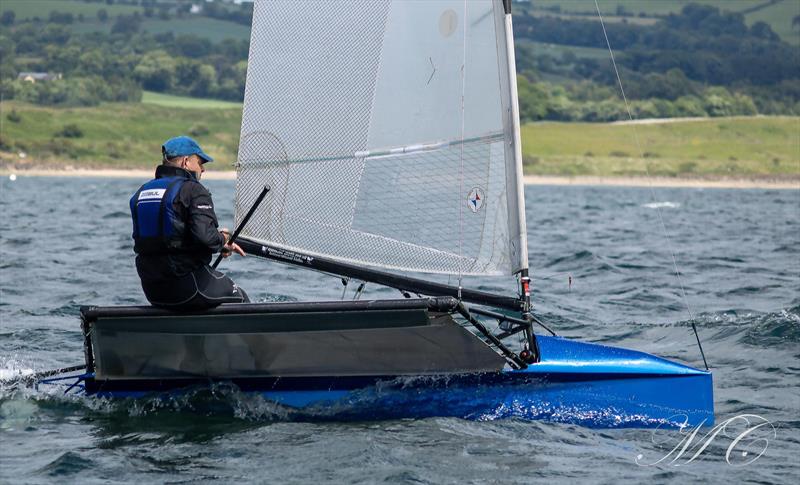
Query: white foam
[[12, 368], [662, 205], [6, 374]]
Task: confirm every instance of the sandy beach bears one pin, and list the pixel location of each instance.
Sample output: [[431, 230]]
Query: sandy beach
[[791, 183]]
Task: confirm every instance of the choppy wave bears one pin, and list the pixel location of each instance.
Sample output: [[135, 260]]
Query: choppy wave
[[736, 251]]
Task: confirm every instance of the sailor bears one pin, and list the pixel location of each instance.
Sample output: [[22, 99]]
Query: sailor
[[175, 231]]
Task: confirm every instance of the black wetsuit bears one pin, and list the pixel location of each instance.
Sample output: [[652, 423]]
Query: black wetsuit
[[181, 278]]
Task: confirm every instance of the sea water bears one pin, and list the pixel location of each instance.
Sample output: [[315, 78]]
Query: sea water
[[604, 263]]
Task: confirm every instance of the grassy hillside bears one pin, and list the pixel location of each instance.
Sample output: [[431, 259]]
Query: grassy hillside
[[212, 29], [645, 7], [777, 13], [558, 50], [130, 135], [779, 16], [608, 16], [28, 9], [171, 101], [114, 135], [711, 147]]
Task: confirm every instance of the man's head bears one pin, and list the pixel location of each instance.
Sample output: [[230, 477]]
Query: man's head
[[185, 153]]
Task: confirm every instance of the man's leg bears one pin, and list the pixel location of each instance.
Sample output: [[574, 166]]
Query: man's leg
[[214, 288], [177, 293]]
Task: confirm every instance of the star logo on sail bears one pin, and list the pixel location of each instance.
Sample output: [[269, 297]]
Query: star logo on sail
[[475, 199]]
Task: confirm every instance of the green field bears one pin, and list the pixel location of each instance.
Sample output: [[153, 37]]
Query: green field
[[27, 9], [778, 15], [557, 50], [717, 147], [608, 17], [114, 135], [212, 29], [646, 7], [171, 101], [130, 135]]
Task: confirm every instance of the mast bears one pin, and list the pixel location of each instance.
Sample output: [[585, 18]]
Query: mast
[[517, 189]]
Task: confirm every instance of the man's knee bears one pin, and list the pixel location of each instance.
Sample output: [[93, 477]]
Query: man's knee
[[243, 294]]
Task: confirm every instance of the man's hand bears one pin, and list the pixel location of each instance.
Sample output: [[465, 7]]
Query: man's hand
[[229, 248]]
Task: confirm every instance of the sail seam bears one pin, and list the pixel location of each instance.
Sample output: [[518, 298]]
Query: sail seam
[[385, 151], [373, 235]]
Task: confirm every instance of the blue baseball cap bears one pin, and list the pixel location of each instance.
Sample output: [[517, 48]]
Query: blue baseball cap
[[183, 146]]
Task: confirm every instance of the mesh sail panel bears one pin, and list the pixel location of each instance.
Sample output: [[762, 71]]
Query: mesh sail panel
[[381, 130]]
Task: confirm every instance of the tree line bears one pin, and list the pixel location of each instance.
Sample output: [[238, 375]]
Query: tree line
[[116, 66], [699, 62], [707, 45]]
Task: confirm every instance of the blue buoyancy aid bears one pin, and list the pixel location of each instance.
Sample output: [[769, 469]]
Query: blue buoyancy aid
[[157, 227]]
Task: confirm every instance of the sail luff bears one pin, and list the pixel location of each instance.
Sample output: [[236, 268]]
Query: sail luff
[[517, 232]]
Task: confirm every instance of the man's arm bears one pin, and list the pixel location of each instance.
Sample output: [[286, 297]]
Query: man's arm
[[203, 223]]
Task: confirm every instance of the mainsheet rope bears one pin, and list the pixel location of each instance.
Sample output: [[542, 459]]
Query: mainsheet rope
[[652, 191]]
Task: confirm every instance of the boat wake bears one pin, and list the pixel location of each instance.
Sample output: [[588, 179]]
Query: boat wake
[[7, 374], [10, 370], [416, 397]]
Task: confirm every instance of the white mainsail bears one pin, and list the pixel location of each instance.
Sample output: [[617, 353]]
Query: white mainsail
[[388, 133]]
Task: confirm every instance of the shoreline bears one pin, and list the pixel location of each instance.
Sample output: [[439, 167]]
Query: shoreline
[[791, 183], [137, 173]]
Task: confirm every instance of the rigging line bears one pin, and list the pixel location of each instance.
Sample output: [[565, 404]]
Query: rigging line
[[652, 191]]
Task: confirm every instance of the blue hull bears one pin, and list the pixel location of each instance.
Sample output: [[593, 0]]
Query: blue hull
[[579, 383]]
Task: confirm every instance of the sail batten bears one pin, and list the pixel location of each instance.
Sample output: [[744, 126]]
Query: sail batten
[[383, 129]]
